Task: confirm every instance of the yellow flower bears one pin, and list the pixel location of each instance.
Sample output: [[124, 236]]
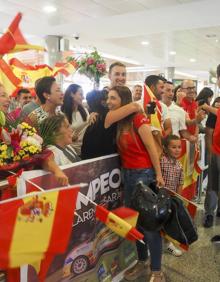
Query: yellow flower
[[21, 152], [3, 147], [16, 158], [32, 149]]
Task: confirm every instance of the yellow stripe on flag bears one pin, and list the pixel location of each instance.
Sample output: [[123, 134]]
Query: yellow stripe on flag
[[35, 218], [118, 225]]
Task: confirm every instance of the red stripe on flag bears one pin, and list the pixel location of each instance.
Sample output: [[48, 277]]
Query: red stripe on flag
[[8, 215], [189, 192], [134, 235], [101, 213], [62, 227], [4, 67]]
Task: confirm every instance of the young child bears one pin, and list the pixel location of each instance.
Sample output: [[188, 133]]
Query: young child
[[172, 173]]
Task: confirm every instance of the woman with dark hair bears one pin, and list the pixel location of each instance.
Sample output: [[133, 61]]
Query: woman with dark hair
[[76, 114], [140, 162], [98, 140], [205, 95]]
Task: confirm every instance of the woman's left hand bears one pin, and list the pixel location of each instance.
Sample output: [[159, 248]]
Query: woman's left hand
[[61, 178], [92, 118]]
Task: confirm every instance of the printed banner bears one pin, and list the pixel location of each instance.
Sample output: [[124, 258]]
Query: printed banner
[[94, 252]]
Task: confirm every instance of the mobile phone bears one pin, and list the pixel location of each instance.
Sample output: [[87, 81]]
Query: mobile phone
[[150, 108]]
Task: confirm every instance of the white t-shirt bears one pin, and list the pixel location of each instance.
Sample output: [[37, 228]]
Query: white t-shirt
[[59, 156], [178, 118], [79, 127]]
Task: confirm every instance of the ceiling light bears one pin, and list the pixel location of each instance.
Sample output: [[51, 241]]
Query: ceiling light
[[216, 40], [145, 43], [192, 60], [212, 35], [172, 53], [49, 9]]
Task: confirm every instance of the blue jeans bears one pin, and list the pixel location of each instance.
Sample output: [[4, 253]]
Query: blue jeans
[[153, 241]]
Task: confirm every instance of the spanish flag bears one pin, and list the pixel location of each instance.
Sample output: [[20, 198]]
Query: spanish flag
[[29, 74], [155, 119], [13, 40], [189, 159], [118, 221], [31, 228], [8, 78], [64, 68]]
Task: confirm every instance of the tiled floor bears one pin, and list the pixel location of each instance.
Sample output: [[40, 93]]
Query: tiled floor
[[200, 264]]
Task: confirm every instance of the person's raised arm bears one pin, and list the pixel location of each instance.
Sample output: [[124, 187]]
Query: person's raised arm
[[210, 109], [50, 165], [122, 112]]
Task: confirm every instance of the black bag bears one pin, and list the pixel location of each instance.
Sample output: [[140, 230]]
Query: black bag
[[153, 206], [180, 226]]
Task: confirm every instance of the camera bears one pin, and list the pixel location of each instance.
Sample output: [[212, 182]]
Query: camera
[[150, 108], [76, 36]]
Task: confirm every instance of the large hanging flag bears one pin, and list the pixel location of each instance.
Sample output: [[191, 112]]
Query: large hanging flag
[[119, 224], [155, 119], [31, 227], [29, 74], [13, 40]]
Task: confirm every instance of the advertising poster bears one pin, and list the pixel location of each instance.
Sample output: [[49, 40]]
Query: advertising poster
[[94, 252]]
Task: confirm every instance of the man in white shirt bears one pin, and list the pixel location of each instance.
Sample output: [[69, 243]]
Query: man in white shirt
[[177, 114]]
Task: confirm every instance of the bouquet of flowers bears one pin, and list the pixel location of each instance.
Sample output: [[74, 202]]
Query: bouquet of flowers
[[92, 65], [20, 146]]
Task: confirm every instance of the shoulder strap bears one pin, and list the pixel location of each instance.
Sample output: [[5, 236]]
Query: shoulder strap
[[71, 156]]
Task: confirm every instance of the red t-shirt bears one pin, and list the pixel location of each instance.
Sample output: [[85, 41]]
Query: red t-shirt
[[190, 107], [216, 135], [132, 151]]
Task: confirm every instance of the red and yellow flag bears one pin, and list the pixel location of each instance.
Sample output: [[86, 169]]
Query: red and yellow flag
[[30, 227], [189, 160], [116, 220], [155, 119], [13, 40], [29, 74], [8, 78]]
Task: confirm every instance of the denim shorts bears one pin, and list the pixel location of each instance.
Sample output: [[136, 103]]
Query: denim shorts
[[130, 178]]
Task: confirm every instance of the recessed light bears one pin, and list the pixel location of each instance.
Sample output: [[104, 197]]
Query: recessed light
[[216, 40], [172, 52], [192, 60], [145, 43], [49, 9]]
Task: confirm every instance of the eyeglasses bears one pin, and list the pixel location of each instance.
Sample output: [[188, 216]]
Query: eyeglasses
[[189, 88]]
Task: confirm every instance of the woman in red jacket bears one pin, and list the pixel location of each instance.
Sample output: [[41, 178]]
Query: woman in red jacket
[[140, 162]]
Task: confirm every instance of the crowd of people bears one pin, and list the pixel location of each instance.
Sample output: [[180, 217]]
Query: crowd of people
[[116, 121]]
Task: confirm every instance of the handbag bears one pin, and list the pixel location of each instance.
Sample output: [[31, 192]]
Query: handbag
[[153, 205]]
